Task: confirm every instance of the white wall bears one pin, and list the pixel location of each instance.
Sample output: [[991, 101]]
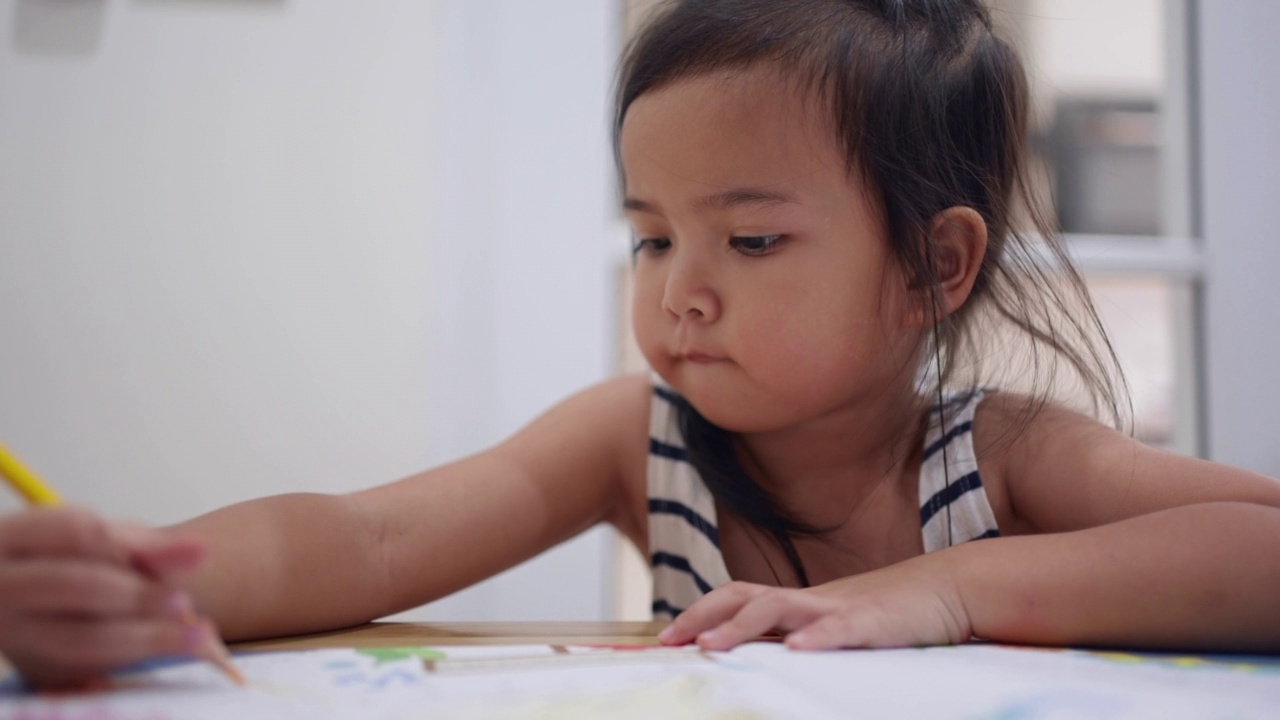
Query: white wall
[[527, 231], [1240, 176], [259, 247]]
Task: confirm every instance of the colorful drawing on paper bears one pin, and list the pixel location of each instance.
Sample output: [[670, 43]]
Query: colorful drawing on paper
[[756, 682], [500, 682], [1244, 663], [386, 655]]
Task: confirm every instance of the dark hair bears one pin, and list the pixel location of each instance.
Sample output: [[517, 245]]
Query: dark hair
[[930, 107]]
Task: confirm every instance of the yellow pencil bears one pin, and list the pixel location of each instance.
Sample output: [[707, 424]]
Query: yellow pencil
[[38, 493], [25, 481]]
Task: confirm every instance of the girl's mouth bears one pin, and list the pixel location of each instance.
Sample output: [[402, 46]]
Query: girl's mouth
[[699, 357]]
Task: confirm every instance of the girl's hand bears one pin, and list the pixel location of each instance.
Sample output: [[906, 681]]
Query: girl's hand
[[80, 596], [910, 604]]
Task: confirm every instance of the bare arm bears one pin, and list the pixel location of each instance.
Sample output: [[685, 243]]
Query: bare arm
[[1203, 577], [284, 565], [307, 562]]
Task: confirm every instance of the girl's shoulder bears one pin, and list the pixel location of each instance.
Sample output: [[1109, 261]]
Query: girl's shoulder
[[616, 413], [1028, 449], [1048, 468], [986, 414], [588, 452]]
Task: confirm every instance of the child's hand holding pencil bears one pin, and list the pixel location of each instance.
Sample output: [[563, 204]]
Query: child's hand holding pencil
[[80, 596]]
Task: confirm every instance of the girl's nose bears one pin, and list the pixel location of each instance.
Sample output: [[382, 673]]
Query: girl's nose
[[689, 293]]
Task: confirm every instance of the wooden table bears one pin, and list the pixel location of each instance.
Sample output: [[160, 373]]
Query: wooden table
[[394, 634]]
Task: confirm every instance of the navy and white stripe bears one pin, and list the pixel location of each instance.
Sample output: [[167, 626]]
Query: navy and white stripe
[[953, 504], [684, 545]]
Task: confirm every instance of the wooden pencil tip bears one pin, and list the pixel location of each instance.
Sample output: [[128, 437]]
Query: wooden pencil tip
[[236, 676], [221, 657]]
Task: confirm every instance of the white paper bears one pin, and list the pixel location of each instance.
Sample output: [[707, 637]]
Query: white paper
[[759, 681]]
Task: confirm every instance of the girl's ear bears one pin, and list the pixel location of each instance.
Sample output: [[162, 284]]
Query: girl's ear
[[958, 238]]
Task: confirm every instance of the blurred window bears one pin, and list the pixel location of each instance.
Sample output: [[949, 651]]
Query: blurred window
[[1110, 135]]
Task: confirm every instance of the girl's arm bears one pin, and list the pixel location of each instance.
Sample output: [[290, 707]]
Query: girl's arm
[[306, 562], [1204, 576]]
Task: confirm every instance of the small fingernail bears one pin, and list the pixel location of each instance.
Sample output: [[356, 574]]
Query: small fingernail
[[796, 640], [178, 605], [708, 637], [667, 634]]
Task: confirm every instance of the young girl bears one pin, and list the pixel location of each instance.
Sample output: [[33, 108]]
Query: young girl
[[823, 194]]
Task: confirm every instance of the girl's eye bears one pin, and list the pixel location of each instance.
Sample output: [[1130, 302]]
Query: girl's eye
[[653, 245], [759, 245]]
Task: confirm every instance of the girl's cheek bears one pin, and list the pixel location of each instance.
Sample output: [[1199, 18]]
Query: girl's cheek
[[647, 339]]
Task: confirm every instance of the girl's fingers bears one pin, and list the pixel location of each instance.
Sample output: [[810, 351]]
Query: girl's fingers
[[713, 609], [85, 589], [61, 532], [76, 533], [58, 651], [833, 631], [776, 609], [174, 556], [157, 553]]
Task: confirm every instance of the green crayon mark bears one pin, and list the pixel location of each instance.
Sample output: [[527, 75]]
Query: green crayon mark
[[386, 655]]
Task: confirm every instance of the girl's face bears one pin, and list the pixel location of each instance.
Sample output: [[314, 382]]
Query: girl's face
[[764, 288]]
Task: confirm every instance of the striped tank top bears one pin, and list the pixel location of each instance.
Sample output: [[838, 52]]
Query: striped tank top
[[684, 546]]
